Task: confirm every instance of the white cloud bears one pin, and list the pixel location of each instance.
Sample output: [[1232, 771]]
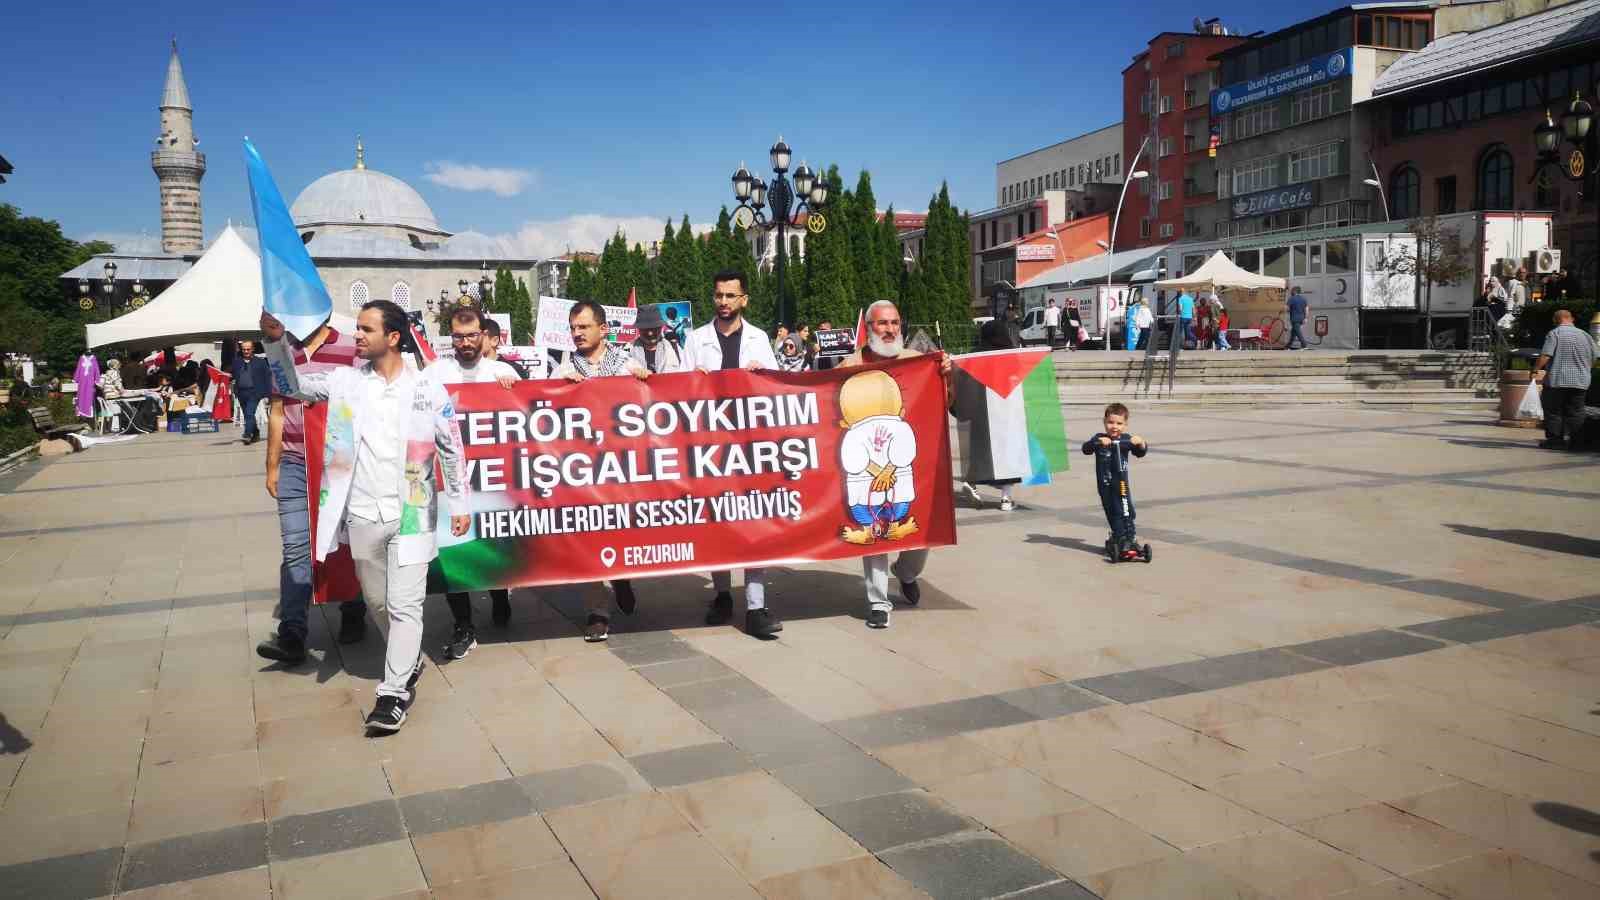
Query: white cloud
[[467, 177], [586, 231]]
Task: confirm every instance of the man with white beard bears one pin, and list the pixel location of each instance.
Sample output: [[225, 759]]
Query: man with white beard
[[885, 342]]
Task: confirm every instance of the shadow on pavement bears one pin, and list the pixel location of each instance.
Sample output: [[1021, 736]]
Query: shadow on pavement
[[1539, 540], [1490, 444], [12, 740], [1068, 543]]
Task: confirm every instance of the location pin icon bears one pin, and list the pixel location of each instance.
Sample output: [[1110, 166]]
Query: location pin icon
[[608, 556]]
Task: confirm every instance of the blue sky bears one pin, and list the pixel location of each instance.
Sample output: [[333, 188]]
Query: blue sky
[[598, 114]]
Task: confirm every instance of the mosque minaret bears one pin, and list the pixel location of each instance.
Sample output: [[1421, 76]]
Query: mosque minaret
[[178, 165]]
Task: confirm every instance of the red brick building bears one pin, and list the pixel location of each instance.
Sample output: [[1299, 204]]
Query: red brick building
[[1166, 97], [1453, 125]]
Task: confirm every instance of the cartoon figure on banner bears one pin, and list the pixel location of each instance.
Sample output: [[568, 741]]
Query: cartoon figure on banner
[[876, 454]]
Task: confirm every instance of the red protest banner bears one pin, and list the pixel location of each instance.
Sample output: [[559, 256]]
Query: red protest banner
[[621, 478]]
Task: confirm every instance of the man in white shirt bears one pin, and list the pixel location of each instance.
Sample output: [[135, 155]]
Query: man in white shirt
[[1052, 321], [729, 342], [387, 426], [470, 364]]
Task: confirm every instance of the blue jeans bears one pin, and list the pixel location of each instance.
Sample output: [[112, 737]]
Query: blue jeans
[[294, 574], [249, 402], [1294, 333], [1186, 329]]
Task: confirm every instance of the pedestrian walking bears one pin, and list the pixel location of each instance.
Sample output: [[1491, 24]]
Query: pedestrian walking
[[1052, 322], [252, 383], [1563, 370], [1296, 308]]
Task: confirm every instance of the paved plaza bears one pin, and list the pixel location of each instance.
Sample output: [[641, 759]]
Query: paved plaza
[[1364, 664]]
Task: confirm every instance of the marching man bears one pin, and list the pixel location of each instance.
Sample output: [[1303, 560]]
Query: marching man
[[729, 342], [387, 426]]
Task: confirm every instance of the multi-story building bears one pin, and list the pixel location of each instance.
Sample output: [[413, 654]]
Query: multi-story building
[[1453, 127], [1165, 92], [1073, 165]]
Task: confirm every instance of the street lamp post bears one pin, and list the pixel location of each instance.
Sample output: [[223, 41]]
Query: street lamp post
[[1116, 219], [1374, 181], [1576, 128], [808, 195], [109, 285], [484, 284]]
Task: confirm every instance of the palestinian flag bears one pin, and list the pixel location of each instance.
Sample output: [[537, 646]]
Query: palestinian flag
[[1008, 416]]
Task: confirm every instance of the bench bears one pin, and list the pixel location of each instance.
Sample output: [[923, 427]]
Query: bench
[[45, 424]]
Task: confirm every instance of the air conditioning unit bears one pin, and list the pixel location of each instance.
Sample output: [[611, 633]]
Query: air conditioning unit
[[1545, 262]]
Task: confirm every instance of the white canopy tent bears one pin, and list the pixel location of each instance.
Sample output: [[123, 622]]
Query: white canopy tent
[[220, 296], [1219, 273]]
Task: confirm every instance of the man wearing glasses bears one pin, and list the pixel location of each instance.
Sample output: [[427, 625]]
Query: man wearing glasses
[[729, 342], [469, 365]]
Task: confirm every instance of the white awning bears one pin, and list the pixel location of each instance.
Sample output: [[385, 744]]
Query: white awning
[[220, 296], [1219, 273]]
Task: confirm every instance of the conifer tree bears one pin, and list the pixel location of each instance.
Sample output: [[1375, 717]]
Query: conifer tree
[[641, 278], [890, 258], [690, 272], [613, 279], [871, 282], [829, 272], [522, 316], [580, 281]]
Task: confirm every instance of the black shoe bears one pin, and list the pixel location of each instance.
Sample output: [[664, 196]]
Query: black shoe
[[626, 601], [761, 623], [721, 611], [500, 614], [911, 592], [388, 714], [462, 641], [878, 618], [597, 629], [352, 625], [283, 649]]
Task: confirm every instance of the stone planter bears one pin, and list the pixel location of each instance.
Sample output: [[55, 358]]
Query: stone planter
[[1513, 386]]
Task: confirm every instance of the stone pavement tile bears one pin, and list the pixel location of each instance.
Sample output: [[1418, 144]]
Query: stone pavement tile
[[972, 714], [1366, 646], [886, 729], [700, 696], [842, 778], [1118, 726], [1393, 889], [1085, 841], [335, 830], [610, 826], [1494, 767], [1202, 712], [69, 877], [226, 733], [1523, 620], [1391, 839], [652, 652], [1173, 878], [195, 856], [862, 877], [316, 788], [1280, 739], [681, 864], [763, 848], [366, 873], [1286, 864], [1187, 817], [685, 765], [1470, 593], [1065, 889], [555, 881], [725, 802], [1555, 834], [245, 884], [809, 686], [1134, 687], [474, 804], [893, 820], [1375, 774], [467, 853], [79, 751], [34, 799], [1198, 759], [1556, 647], [1287, 795], [1499, 874], [685, 671], [1239, 668], [1047, 701], [580, 784], [433, 759], [197, 795], [927, 762], [978, 865], [530, 742], [1000, 796], [775, 734]]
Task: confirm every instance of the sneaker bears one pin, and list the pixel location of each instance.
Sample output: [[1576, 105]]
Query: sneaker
[[1007, 504], [289, 650], [352, 625], [388, 714], [1552, 445], [761, 623], [971, 491], [911, 592], [721, 611], [878, 618], [626, 601], [462, 641], [500, 615], [598, 629]]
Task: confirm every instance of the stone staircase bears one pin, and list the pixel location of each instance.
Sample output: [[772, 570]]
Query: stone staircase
[[1388, 378]]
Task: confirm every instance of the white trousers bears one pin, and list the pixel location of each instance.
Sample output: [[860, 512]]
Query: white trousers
[[400, 589], [875, 570], [755, 585]]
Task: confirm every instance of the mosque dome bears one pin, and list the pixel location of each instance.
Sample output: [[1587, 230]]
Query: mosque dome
[[362, 196], [477, 245]]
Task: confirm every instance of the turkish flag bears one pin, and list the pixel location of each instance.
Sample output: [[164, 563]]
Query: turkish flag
[[861, 329], [219, 396]]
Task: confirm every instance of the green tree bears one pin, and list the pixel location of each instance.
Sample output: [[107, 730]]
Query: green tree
[[690, 271], [522, 316], [829, 281], [504, 296], [889, 256], [865, 248], [580, 281], [641, 275], [613, 278], [36, 316]]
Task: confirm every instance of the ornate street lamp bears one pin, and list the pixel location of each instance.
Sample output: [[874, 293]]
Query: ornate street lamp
[[85, 302], [461, 285], [808, 195], [139, 296], [1576, 128], [109, 285], [485, 283]]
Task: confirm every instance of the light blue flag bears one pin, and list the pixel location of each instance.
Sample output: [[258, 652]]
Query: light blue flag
[[291, 289]]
